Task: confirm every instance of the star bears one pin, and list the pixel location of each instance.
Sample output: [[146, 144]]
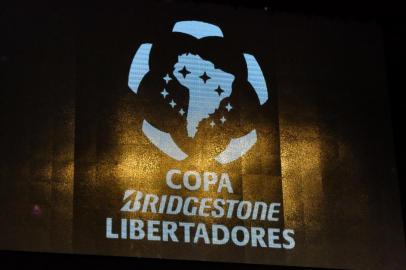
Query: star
[[219, 90], [167, 78], [212, 124], [184, 71], [229, 107], [164, 93], [204, 77], [181, 112], [172, 103], [222, 120]]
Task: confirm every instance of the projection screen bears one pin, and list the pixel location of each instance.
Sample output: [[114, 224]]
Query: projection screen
[[198, 132]]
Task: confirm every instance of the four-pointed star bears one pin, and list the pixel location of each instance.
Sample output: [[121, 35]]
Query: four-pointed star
[[204, 77], [219, 90], [184, 71]]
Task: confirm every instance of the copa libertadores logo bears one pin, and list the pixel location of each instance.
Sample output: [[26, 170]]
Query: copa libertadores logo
[[195, 85], [199, 98]]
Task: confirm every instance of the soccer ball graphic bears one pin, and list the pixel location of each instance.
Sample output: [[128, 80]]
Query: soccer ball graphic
[[195, 92]]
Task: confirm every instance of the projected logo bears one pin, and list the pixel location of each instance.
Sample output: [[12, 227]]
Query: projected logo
[[198, 92]]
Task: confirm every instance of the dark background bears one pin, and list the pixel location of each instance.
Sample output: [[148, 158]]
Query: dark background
[[107, 116], [389, 17]]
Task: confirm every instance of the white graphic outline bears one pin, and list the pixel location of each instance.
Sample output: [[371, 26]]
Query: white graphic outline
[[237, 147]]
